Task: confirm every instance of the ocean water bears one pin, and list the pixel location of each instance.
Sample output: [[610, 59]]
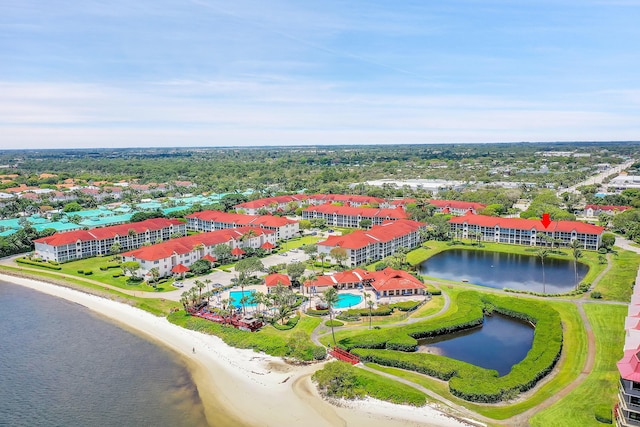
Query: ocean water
[[62, 365]]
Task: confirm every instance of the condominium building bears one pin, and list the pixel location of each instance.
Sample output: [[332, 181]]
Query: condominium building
[[375, 244], [215, 220], [348, 216], [526, 231], [70, 245], [184, 251], [627, 410]]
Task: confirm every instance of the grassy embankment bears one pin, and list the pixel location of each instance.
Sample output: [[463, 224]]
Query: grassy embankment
[[618, 284], [94, 264], [155, 306], [598, 391]]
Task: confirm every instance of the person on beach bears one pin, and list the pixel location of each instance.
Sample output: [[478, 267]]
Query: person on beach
[[194, 350]]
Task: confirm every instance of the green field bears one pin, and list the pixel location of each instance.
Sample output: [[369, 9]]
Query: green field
[[599, 388]]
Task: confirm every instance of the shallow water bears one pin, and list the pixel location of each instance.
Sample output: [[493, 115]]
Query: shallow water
[[62, 365]]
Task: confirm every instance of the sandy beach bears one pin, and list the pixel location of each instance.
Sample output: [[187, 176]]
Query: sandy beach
[[242, 387]]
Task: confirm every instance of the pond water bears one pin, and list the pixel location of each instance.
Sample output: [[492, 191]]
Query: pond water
[[499, 344], [504, 270]]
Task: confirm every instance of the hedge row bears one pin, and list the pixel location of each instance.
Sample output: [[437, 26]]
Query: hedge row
[[38, 264], [406, 305], [467, 381], [468, 315]]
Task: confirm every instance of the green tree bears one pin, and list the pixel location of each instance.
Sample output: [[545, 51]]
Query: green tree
[[222, 252], [576, 246], [542, 254], [155, 273], [72, 207], [370, 303], [608, 240], [365, 223], [339, 254], [330, 298], [295, 270]]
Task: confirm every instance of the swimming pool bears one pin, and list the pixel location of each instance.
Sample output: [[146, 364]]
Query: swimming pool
[[236, 295], [348, 300]]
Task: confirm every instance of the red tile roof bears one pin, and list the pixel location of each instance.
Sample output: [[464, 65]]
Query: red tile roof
[[356, 275], [629, 365], [183, 245], [394, 280], [237, 251], [329, 209], [69, 237], [209, 258], [276, 279], [346, 198], [527, 224], [457, 204], [241, 219], [378, 233], [268, 245], [268, 201], [180, 268]]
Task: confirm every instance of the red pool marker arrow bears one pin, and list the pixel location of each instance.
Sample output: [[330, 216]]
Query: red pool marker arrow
[[545, 220]]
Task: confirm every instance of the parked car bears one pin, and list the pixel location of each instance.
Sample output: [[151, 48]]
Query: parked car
[[178, 284]]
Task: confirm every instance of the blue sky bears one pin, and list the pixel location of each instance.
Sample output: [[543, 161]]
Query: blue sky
[[217, 73]]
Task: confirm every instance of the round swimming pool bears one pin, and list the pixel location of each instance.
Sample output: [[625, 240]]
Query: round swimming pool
[[348, 300]]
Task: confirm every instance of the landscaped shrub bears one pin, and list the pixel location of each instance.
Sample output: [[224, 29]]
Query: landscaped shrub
[[467, 381], [319, 352], [115, 276], [603, 414], [134, 280], [103, 268], [333, 323], [406, 305], [596, 295], [80, 271], [312, 312], [291, 323], [38, 264], [88, 273], [381, 310]]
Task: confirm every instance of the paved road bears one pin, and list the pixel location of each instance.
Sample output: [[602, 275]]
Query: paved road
[[597, 179]]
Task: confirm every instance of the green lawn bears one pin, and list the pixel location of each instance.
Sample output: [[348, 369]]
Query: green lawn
[[617, 285], [577, 408], [298, 242], [93, 264]]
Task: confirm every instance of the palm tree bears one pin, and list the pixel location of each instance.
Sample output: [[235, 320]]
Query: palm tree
[[577, 253], [243, 301], [155, 273], [207, 282], [131, 233], [543, 253], [370, 303], [200, 287], [330, 297]]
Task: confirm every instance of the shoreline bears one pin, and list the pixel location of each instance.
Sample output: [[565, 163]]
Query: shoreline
[[240, 386]]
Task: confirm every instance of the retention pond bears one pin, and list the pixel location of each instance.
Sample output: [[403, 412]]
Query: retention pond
[[504, 270], [499, 344]]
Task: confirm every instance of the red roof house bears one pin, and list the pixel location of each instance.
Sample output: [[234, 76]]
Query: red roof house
[[276, 279]]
